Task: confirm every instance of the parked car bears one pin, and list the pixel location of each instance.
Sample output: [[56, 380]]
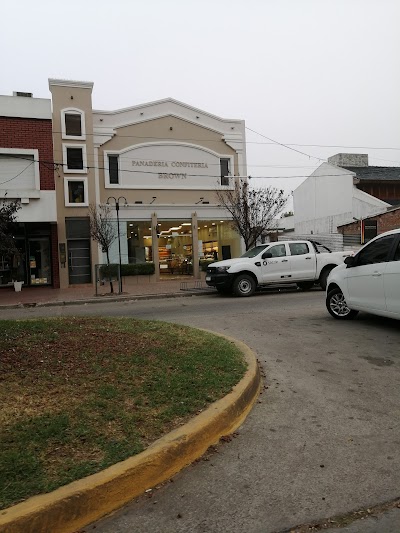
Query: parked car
[[369, 281], [300, 262]]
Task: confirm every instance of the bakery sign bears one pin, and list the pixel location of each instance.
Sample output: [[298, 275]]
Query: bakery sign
[[169, 166]]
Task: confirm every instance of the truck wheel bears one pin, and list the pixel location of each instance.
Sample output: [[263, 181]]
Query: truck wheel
[[244, 285], [337, 306], [323, 279], [305, 285]]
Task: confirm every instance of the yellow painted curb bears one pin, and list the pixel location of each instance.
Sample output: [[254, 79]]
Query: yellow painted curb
[[73, 506]]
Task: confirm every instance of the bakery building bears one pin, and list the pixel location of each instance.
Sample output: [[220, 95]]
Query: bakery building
[[158, 165]]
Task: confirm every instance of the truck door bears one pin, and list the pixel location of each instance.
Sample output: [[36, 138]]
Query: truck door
[[277, 267], [302, 261]]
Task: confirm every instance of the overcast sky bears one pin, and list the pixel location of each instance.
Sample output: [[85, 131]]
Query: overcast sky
[[308, 72]]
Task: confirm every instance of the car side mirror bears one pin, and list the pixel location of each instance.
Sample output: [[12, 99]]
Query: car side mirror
[[350, 261], [267, 255]]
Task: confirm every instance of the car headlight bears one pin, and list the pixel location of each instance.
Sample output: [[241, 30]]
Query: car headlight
[[223, 269]]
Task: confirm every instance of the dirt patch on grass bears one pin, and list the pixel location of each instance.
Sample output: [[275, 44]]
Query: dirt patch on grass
[[77, 395]]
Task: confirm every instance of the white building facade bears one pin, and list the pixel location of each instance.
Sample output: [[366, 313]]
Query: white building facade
[[329, 198]]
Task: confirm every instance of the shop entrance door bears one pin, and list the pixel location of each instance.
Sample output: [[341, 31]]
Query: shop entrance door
[[79, 261], [39, 261]]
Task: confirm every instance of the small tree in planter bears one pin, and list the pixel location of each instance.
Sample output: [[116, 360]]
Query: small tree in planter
[[8, 216], [8, 248], [102, 230]]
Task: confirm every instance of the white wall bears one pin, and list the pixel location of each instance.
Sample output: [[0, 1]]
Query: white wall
[[41, 209], [329, 198], [24, 107]]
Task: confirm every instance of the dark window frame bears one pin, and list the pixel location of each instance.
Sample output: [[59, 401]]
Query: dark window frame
[[70, 191], [73, 134], [225, 171], [73, 163], [113, 169]]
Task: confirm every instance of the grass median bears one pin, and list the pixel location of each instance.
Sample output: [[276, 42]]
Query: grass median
[[78, 395]]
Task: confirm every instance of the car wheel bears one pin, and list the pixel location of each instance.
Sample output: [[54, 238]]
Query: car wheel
[[337, 306], [323, 279], [244, 285], [305, 285]]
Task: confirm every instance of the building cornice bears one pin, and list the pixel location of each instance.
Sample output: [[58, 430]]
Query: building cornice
[[70, 83]]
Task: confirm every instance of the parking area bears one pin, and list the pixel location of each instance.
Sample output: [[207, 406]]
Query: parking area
[[324, 438]]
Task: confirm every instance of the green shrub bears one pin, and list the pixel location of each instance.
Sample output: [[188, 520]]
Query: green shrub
[[138, 269], [204, 264], [131, 269]]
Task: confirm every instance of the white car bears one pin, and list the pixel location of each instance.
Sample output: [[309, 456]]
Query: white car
[[368, 281]]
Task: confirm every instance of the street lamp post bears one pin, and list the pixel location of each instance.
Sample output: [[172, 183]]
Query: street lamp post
[[116, 200]]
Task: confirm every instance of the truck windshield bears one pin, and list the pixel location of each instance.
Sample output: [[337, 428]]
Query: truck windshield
[[254, 251]]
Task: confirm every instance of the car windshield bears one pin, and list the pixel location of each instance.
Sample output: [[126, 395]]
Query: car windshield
[[254, 251]]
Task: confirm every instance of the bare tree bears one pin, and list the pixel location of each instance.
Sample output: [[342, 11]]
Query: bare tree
[[102, 230], [8, 216], [253, 210]]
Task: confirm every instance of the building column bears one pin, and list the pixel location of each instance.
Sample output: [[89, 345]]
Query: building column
[[195, 247], [154, 244]]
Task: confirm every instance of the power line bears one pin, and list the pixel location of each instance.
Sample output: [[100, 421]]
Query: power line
[[217, 176], [285, 145], [272, 142], [209, 164], [22, 171]]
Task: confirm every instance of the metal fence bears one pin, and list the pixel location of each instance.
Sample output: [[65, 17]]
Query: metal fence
[[334, 241], [107, 278]]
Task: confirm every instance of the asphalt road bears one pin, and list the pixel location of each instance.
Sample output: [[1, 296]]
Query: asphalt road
[[323, 440]]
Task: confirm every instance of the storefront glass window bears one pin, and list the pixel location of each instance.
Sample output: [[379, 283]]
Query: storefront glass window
[[175, 247], [139, 242], [32, 261], [218, 240], [39, 263]]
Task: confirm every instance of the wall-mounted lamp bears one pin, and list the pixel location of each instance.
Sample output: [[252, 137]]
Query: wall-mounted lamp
[[201, 199], [154, 197]]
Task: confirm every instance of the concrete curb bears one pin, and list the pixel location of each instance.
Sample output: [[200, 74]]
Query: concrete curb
[[73, 506], [99, 299]]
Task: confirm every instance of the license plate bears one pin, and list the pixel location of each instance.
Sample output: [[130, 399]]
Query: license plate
[[208, 278]]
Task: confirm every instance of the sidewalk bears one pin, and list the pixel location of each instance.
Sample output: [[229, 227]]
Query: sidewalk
[[45, 296]]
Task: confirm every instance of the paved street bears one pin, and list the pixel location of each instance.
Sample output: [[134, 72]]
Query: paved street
[[323, 440]]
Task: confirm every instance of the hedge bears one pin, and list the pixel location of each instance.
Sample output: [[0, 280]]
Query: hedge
[[204, 264], [131, 269]]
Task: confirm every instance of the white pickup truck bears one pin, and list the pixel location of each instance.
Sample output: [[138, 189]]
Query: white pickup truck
[[299, 262]]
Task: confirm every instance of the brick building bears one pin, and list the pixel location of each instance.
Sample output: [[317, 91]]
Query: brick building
[[381, 182], [361, 231], [27, 175]]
